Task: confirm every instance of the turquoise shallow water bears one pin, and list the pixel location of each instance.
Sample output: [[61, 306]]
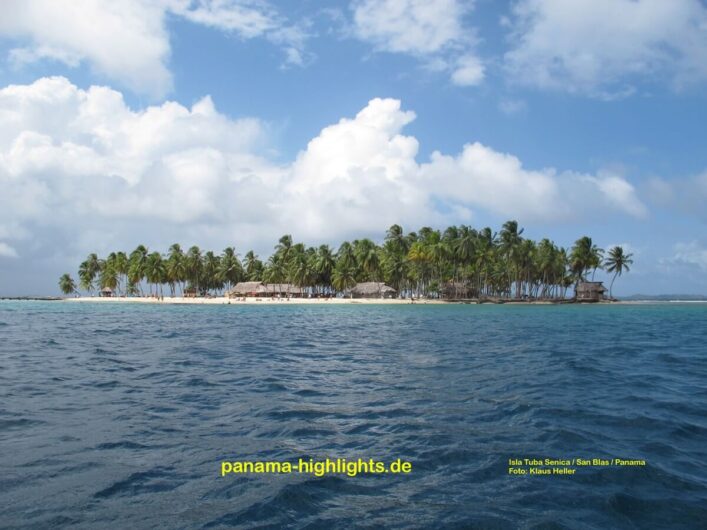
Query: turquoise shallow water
[[117, 416]]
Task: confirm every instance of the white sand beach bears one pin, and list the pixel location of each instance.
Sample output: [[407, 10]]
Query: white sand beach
[[222, 300]]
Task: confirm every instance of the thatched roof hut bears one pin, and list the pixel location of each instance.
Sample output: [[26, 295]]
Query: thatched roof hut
[[280, 289], [590, 291], [372, 290], [264, 289], [245, 289], [106, 292], [455, 290], [190, 292]]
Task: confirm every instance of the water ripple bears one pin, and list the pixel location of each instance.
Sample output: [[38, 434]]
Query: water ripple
[[119, 416]]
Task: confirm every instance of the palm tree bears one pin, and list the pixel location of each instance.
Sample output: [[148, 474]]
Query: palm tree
[[122, 267], [85, 277], [420, 260], [175, 268], [346, 255], [231, 271], [545, 258], [253, 266], [367, 255], [275, 271], [486, 254], [88, 270], [299, 270], [465, 245], [585, 255], [283, 247], [135, 275], [155, 271], [438, 252], [108, 276], [193, 265], [67, 284], [110, 264], [527, 266], [324, 264], [510, 246], [136, 269], [395, 265], [344, 277], [617, 262], [395, 234], [211, 272], [312, 274]]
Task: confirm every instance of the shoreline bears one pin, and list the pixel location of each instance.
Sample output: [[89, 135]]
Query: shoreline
[[222, 300]]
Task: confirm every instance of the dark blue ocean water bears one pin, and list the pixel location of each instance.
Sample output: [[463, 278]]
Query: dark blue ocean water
[[118, 416]]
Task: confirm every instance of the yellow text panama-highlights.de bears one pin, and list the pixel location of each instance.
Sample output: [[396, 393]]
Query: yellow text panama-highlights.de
[[318, 468]]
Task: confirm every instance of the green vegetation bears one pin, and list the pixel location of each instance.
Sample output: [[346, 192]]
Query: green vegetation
[[617, 262], [457, 262], [67, 284]]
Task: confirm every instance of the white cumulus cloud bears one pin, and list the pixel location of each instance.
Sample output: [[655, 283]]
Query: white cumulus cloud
[[81, 171]]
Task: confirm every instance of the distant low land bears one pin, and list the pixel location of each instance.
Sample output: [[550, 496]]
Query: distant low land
[[664, 297]]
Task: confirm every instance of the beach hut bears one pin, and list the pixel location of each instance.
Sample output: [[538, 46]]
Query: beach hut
[[590, 291], [265, 289], [106, 292], [280, 289], [245, 289], [372, 290], [190, 292], [455, 291]]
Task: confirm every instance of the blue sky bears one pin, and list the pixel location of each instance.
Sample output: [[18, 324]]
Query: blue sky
[[334, 120]]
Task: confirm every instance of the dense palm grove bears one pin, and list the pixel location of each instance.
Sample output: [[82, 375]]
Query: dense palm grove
[[459, 262]]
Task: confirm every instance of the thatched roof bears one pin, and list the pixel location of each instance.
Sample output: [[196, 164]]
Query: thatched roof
[[242, 288], [265, 289], [371, 288], [107, 290], [455, 289], [279, 288], [590, 287]]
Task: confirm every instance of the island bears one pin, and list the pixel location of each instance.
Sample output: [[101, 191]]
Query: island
[[458, 264]]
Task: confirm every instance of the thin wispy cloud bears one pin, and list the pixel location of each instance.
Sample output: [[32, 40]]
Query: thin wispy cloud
[[433, 32], [128, 41], [603, 48]]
